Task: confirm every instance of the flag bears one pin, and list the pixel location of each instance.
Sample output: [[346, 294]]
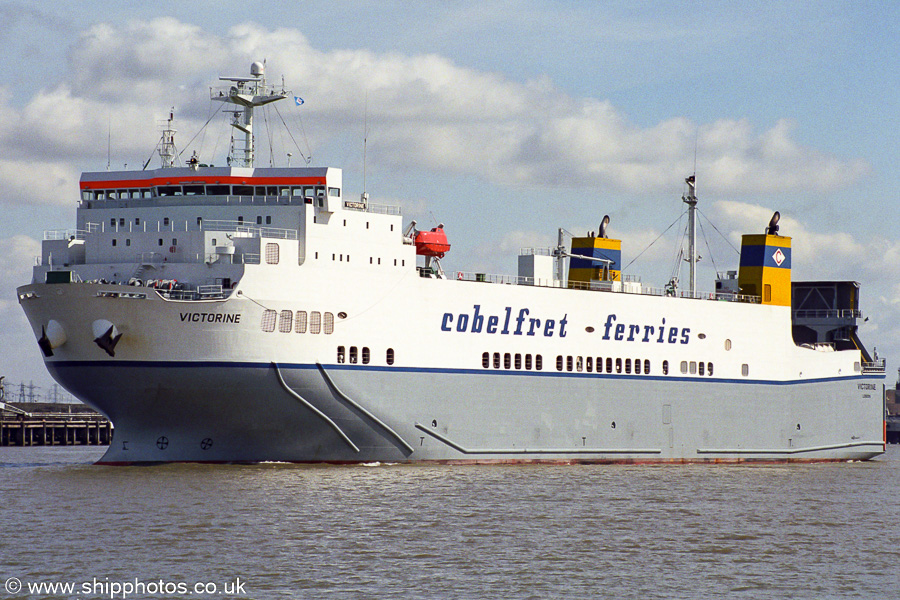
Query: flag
[[298, 100]]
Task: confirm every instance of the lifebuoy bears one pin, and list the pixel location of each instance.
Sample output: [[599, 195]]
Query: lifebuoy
[[459, 275], [172, 249]]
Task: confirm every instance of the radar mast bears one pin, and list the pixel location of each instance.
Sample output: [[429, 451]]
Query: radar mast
[[246, 93]]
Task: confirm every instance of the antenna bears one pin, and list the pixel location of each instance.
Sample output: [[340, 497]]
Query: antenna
[[108, 139], [365, 139]]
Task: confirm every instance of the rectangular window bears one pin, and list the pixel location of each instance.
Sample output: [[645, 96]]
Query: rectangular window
[[353, 355], [527, 362], [286, 323], [507, 361], [700, 369], [628, 366], [389, 356], [559, 363], [767, 293], [165, 221], [340, 354], [496, 360], [268, 320], [272, 253], [569, 362], [745, 369], [579, 364], [485, 360], [328, 324], [637, 366], [334, 192], [538, 362], [693, 367], [315, 322], [609, 365], [618, 365], [589, 364], [365, 355], [709, 369], [301, 321], [646, 366], [518, 362], [684, 367]]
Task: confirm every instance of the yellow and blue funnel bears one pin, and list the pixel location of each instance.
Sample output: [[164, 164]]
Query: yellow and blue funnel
[[585, 271], [766, 268]]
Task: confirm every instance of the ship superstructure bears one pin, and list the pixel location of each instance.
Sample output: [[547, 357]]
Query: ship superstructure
[[244, 314]]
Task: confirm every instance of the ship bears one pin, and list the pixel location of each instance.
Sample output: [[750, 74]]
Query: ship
[[244, 314]]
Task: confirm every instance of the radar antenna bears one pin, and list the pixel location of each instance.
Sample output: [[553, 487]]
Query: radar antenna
[[246, 93]]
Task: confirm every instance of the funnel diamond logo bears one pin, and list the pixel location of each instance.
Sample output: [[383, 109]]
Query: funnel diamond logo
[[778, 257]]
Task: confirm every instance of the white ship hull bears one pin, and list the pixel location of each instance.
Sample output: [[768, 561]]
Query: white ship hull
[[187, 391]]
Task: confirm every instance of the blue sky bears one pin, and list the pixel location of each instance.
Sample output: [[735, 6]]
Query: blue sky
[[505, 120]]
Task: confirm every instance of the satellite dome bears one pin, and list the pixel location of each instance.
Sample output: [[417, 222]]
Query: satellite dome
[[257, 69]]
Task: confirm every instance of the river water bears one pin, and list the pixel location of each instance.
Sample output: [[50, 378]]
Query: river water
[[387, 531]]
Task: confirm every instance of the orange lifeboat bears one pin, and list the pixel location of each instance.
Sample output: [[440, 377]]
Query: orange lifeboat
[[432, 243]]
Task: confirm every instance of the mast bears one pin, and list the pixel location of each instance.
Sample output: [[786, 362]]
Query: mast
[[246, 93], [690, 199]]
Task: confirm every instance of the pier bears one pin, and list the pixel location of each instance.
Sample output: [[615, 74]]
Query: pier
[[47, 424]]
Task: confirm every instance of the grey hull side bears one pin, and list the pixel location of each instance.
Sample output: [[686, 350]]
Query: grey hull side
[[237, 412]]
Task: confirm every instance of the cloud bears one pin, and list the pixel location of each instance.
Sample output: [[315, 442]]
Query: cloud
[[425, 113]]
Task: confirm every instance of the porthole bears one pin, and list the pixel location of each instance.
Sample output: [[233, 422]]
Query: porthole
[[702, 336], [589, 329]]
